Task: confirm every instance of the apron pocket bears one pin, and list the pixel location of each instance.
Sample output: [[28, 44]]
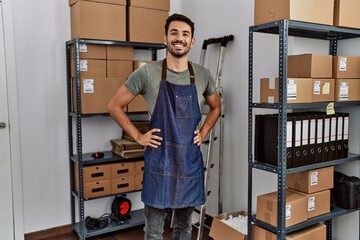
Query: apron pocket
[[184, 106]]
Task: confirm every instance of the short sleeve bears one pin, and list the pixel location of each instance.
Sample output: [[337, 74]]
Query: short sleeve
[[136, 81], [211, 86]]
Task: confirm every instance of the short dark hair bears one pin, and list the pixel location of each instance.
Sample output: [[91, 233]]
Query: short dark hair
[[182, 18]]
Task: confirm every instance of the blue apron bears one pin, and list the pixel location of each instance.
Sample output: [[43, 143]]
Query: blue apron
[[174, 172]]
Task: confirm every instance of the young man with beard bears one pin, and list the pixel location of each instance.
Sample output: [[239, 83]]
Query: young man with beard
[[173, 89]]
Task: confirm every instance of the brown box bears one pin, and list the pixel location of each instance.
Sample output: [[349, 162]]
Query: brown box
[[296, 208], [320, 11], [347, 90], [346, 13], [140, 63], [323, 90], [90, 68], [318, 202], [97, 173], [118, 2], [317, 231], [137, 105], [139, 167], [298, 90], [152, 4], [346, 66], [124, 184], [138, 182], [90, 51], [311, 181], [310, 66], [119, 68], [95, 93], [97, 189], [219, 229], [146, 25], [96, 20], [114, 52], [119, 170]]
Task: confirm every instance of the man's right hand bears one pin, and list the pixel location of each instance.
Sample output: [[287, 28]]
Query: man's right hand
[[150, 139]]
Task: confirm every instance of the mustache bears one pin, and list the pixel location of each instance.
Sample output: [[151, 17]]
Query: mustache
[[179, 42]]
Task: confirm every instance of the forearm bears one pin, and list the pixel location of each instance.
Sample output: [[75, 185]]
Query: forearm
[[124, 122], [209, 122]]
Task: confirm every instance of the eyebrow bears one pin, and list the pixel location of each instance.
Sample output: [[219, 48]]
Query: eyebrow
[[176, 30]]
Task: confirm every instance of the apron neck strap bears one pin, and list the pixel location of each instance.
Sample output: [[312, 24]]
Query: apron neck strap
[[191, 71]]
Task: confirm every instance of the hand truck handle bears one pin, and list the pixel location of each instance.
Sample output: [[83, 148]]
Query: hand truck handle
[[223, 40]]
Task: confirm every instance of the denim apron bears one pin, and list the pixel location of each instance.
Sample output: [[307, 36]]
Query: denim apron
[[174, 172]]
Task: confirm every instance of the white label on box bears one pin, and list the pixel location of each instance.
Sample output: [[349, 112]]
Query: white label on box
[[291, 89], [88, 85], [83, 47], [272, 83], [342, 64], [314, 178], [288, 212], [317, 87], [271, 99], [311, 203], [344, 91], [83, 65]]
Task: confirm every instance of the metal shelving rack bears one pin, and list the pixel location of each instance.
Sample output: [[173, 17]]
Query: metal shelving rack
[[283, 29], [84, 159]]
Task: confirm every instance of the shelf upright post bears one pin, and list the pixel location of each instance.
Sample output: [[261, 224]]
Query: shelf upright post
[[250, 129], [333, 44], [282, 123], [79, 140]]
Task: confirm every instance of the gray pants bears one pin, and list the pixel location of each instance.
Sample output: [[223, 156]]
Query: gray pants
[[155, 220]]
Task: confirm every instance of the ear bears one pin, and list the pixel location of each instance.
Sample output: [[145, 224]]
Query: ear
[[192, 42], [165, 40]]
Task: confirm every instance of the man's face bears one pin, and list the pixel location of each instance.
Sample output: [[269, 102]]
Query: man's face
[[179, 40]]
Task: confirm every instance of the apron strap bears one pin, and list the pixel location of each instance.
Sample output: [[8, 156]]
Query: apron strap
[[191, 71]]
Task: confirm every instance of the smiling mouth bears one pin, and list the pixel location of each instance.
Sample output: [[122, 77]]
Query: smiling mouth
[[178, 44]]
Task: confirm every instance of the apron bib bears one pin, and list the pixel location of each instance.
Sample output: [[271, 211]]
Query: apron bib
[[174, 172]]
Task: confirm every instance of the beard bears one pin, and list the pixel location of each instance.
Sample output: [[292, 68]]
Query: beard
[[175, 53]]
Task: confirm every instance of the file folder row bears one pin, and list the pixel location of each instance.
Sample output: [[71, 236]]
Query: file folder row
[[311, 137]]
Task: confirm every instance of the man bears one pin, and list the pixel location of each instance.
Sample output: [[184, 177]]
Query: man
[[173, 90]]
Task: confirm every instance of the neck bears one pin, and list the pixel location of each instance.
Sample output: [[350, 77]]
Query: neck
[[177, 64]]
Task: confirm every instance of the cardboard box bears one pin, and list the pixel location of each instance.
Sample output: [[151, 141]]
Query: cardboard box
[[311, 181], [140, 63], [347, 90], [119, 68], [119, 170], [346, 66], [90, 68], [296, 208], [220, 229], [346, 13], [124, 184], [323, 90], [318, 202], [95, 93], [151, 4], [91, 174], [114, 52], [139, 167], [97, 189], [146, 25], [320, 11], [298, 90], [90, 51], [118, 2], [317, 231], [137, 105], [138, 182], [95, 20], [310, 66]]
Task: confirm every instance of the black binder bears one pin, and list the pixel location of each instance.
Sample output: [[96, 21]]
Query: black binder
[[326, 138], [339, 135], [297, 143], [319, 138], [312, 138], [332, 143], [345, 148]]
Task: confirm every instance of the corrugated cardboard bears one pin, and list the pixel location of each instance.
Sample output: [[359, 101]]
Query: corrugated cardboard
[[299, 90], [124, 184], [138, 182], [310, 66], [319, 11], [95, 93], [137, 105], [152, 4], [220, 230], [119, 68], [315, 232], [118, 2], [146, 25], [139, 167], [97, 189], [347, 90], [296, 208], [94, 20], [311, 181], [114, 52], [323, 90], [346, 66], [90, 68], [90, 51], [125, 169], [346, 13]]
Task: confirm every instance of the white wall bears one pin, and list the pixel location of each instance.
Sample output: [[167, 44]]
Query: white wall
[[41, 29]]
